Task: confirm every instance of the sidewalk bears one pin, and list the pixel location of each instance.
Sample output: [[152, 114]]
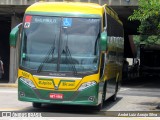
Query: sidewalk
[[8, 85], [4, 83]]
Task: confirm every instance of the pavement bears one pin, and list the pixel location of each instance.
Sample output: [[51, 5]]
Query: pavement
[[5, 83], [14, 85]]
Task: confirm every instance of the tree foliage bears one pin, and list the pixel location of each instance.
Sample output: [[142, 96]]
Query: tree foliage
[[148, 13], [146, 9], [150, 26]]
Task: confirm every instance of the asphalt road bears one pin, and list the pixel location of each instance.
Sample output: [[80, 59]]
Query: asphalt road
[[135, 95]]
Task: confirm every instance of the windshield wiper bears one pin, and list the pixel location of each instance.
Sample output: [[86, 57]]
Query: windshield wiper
[[51, 51], [69, 60]]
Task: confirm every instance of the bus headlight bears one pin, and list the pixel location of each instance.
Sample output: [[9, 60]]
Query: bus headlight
[[27, 82], [87, 85]]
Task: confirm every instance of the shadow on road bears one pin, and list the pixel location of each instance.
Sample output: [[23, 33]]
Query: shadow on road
[[146, 82], [109, 103], [69, 110]]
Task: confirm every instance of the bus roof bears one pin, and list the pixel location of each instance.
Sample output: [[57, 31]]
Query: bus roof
[[67, 7], [71, 8]]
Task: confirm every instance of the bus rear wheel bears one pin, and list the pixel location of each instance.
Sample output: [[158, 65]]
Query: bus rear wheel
[[114, 97], [37, 105]]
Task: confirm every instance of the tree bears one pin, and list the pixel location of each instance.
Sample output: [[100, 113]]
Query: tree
[[148, 13], [146, 9]]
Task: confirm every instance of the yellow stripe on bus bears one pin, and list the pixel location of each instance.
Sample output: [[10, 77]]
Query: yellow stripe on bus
[[67, 7]]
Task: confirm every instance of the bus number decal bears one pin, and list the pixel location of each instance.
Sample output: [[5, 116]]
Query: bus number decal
[[24, 74], [28, 20]]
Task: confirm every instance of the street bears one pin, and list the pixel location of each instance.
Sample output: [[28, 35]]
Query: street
[[135, 95]]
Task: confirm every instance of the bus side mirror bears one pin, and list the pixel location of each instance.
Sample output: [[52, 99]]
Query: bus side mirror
[[103, 41], [14, 35]]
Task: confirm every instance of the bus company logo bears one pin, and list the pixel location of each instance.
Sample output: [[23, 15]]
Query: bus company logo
[[69, 84], [6, 114], [56, 87]]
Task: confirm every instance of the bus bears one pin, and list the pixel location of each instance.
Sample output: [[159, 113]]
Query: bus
[[70, 53]]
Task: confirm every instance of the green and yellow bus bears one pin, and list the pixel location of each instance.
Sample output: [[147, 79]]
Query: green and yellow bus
[[70, 53]]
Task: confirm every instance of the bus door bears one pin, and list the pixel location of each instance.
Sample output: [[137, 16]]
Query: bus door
[[111, 69]]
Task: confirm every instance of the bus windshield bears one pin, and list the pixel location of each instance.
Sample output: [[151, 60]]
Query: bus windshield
[[59, 44]]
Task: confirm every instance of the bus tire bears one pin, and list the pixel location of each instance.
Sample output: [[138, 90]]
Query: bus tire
[[100, 106], [114, 97], [36, 105]]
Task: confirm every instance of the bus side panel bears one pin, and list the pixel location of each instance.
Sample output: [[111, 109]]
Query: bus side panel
[[114, 56]]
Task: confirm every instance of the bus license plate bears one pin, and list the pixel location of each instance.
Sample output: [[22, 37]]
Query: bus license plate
[[56, 96]]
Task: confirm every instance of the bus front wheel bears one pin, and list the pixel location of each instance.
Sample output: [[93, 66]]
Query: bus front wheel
[[100, 106], [36, 105]]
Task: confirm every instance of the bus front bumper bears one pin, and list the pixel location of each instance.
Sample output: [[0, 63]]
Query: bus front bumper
[[88, 96]]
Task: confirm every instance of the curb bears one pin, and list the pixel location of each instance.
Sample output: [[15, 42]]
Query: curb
[[8, 85]]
